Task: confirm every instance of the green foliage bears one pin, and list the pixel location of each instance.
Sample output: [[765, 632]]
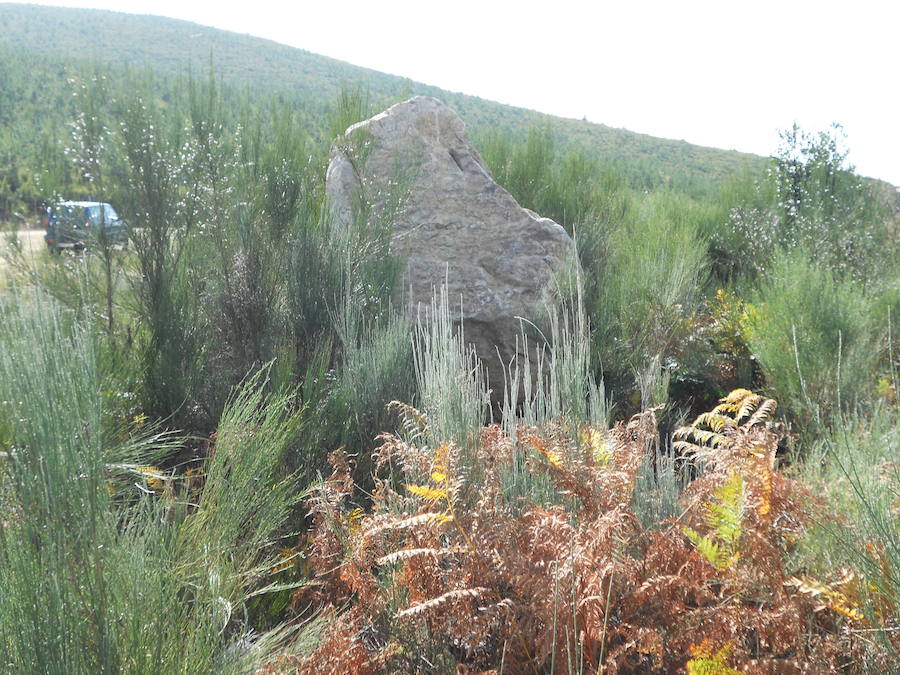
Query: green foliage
[[707, 661], [375, 369], [647, 288], [721, 547], [853, 469], [235, 261], [103, 572], [557, 382], [352, 106], [659, 485], [450, 378], [813, 201], [552, 376], [815, 338]]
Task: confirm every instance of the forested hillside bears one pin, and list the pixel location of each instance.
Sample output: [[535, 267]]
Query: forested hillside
[[43, 48]]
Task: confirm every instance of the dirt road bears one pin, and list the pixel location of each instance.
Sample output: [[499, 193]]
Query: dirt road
[[32, 244]]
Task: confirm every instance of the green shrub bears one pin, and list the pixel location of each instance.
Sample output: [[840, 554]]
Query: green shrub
[[647, 288], [815, 338], [376, 368], [109, 563], [812, 200]]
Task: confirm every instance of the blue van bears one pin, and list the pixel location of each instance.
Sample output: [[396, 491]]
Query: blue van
[[75, 225]]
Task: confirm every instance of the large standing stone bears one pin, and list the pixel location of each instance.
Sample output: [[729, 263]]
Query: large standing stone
[[454, 221]]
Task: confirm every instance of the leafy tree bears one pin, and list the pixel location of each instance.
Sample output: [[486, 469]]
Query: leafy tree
[[818, 204]]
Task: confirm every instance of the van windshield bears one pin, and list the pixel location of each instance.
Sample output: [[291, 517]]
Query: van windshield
[[101, 213]]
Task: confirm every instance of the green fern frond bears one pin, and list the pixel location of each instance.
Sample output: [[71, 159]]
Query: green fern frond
[[721, 548], [709, 549], [705, 661], [725, 521], [724, 517]]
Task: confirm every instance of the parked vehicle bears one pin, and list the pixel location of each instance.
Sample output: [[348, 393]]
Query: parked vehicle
[[76, 225]]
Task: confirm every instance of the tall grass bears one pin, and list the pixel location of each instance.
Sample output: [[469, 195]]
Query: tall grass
[[105, 569], [853, 469], [55, 519], [451, 382], [560, 381]]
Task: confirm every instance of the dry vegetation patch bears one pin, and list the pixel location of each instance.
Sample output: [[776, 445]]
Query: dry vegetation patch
[[450, 569]]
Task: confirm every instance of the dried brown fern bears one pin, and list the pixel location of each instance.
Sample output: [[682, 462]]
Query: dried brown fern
[[442, 565]]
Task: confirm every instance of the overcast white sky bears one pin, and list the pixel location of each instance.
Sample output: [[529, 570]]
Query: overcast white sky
[[721, 73]]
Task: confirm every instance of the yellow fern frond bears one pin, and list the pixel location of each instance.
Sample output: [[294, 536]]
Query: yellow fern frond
[[706, 660], [726, 408], [737, 396], [715, 421], [829, 597], [354, 520], [701, 436], [441, 463], [710, 438], [764, 508], [429, 494], [597, 445], [733, 403], [748, 406], [552, 456], [554, 459]]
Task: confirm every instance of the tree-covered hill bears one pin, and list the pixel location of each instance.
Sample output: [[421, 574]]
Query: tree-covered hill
[[42, 48]]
